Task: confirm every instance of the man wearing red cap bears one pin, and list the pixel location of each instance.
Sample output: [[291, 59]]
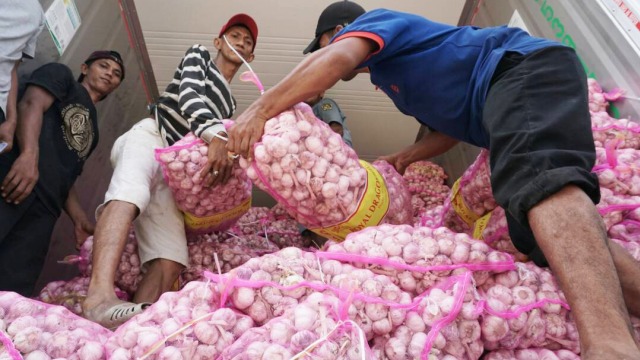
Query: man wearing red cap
[[57, 131], [196, 100], [521, 97]]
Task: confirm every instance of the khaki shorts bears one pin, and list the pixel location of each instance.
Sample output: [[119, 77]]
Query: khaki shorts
[[137, 179]]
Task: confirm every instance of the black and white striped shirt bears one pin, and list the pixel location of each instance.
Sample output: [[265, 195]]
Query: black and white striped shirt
[[196, 100]]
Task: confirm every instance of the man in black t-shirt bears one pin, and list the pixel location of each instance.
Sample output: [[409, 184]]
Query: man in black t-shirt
[[56, 132]]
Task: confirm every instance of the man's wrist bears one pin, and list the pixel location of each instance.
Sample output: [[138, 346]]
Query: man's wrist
[[211, 133], [78, 218], [11, 120], [30, 153], [219, 137]]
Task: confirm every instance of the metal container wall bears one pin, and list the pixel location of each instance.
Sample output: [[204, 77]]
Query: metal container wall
[[605, 34]]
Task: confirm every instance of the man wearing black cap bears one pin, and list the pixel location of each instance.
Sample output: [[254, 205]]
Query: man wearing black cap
[[196, 100], [523, 98], [57, 131]]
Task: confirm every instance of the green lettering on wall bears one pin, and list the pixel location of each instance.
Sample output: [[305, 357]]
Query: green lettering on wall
[[558, 29]]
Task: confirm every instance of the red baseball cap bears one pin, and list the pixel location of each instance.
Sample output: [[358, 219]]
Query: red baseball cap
[[244, 20]]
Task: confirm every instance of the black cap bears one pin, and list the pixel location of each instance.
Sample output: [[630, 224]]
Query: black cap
[[104, 54], [339, 13]]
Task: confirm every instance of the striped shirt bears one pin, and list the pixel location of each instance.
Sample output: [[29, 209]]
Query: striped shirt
[[196, 100]]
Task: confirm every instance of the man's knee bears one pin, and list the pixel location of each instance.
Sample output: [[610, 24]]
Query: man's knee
[[167, 269], [119, 207]]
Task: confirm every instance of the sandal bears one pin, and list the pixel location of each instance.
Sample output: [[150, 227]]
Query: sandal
[[121, 313]]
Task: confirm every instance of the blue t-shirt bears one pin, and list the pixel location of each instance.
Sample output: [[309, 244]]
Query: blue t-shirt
[[438, 73]]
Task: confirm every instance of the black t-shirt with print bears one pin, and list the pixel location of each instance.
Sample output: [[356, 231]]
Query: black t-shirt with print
[[69, 134]]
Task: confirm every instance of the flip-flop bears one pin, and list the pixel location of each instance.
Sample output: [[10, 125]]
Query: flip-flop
[[121, 313]]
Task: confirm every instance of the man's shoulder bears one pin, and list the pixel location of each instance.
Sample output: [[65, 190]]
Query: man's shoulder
[[198, 49], [56, 67], [326, 104], [55, 78], [381, 14], [52, 72]]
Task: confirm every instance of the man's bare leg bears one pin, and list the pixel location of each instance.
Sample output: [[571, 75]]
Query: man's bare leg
[[110, 238], [629, 273], [571, 234], [160, 276]]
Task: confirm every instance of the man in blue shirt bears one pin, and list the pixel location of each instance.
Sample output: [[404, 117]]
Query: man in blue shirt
[[523, 98], [328, 111]]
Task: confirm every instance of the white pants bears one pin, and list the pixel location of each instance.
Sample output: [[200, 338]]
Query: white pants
[[137, 179]]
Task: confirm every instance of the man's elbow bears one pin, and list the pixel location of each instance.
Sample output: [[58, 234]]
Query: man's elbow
[[28, 106]]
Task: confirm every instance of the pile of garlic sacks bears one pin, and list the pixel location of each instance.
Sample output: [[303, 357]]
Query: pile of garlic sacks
[[424, 286]]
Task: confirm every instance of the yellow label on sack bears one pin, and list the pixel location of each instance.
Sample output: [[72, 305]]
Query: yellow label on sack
[[176, 285], [198, 223], [480, 226], [458, 204], [371, 210]]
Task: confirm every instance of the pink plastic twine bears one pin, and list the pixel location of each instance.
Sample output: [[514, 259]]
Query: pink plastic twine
[[616, 127], [249, 76], [341, 327], [613, 94], [620, 207], [463, 282], [231, 282], [610, 150], [365, 259], [344, 325], [512, 314], [9, 347]]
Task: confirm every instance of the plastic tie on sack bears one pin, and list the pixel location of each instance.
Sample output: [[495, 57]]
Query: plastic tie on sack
[[610, 151], [247, 76], [250, 76], [614, 95], [72, 259]]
